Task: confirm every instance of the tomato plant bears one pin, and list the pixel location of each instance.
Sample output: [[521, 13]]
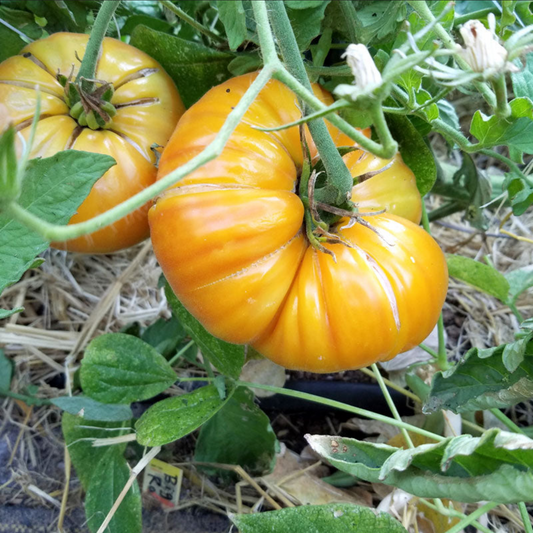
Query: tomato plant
[[230, 241], [145, 107], [291, 215]]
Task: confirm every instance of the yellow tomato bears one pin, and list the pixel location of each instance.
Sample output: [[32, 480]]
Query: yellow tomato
[[148, 108], [230, 240]]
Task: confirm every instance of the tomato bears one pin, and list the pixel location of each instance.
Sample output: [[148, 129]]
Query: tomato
[[148, 108], [230, 241]]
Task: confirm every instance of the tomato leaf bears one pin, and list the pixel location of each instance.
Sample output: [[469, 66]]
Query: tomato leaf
[[519, 280], [6, 371], [164, 335], [93, 410], [79, 435], [331, 518], [242, 434], [515, 131], [173, 418], [306, 20], [507, 379], [495, 467], [233, 17], [6, 313], [484, 277], [194, 68], [245, 63], [119, 368], [227, 358], [109, 477], [379, 20], [415, 152], [53, 189], [523, 79]]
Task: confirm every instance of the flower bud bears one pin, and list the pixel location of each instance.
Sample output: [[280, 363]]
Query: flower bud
[[363, 67], [482, 50]]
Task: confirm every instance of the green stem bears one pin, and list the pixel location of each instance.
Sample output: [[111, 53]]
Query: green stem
[[391, 405], [427, 349], [28, 400], [475, 15], [421, 7], [502, 109], [525, 517], [511, 164], [367, 144], [322, 50], [339, 104], [442, 356], [349, 16], [338, 174], [266, 40], [55, 232], [180, 353], [382, 129], [472, 517], [341, 406], [453, 514], [90, 58], [341, 71], [504, 419], [192, 22]]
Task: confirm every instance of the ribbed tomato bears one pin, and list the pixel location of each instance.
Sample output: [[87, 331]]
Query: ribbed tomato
[[229, 238], [148, 108]]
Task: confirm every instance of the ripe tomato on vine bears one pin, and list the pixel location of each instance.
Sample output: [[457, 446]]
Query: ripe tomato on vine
[[140, 107], [231, 241]]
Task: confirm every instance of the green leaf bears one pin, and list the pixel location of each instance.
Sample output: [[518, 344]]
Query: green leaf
[[523, 79], [415, 152], [515, 131], [93, 410], [519, 281], [151, 22], [484, 379], [79, 435], [23, 21], [303, 4], [245, 63], [242, 434], [508, 16], [119, 368], [379, 20], [6, 313], [164, 335], [495, 467], [194, 67], [331, 518], [306, 22], [53, 189], [227, 358], [109, 478], [6, 371], [12, 43], [520, 193], [173, 418], [233, 17], [448, 114], [484, 277]]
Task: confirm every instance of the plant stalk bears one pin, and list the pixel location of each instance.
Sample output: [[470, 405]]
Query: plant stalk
[[342, 406], [92, 52], [502, 109], [191, 21], [390, 403], [442, 359], [338, 174], [528, 528], [472, 517], [421, 7]]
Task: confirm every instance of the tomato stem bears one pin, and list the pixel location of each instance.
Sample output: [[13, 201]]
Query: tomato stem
[[338, 174], [390, 403], [442, 359], [502, 109], [342, 406], [92, 52]]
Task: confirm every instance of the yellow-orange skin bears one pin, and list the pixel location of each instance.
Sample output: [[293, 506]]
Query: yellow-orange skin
[[134, 129], [229, 238]]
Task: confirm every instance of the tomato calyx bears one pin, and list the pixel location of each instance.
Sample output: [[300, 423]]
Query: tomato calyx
[[89, 101]]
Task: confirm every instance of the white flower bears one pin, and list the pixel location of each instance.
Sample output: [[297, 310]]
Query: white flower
[[363, 67], [482, 50]]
